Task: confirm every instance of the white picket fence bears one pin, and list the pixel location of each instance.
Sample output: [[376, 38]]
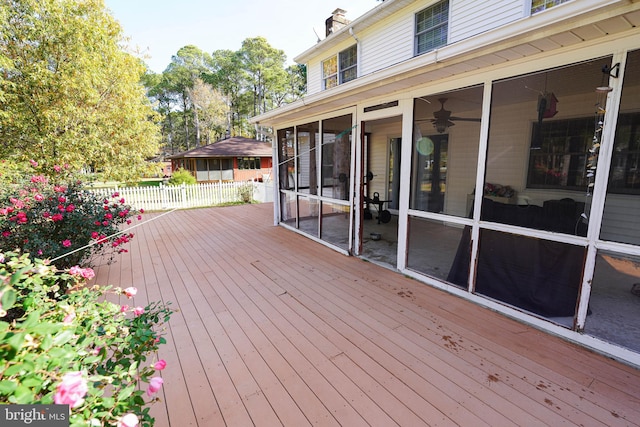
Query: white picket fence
[[187, 196]]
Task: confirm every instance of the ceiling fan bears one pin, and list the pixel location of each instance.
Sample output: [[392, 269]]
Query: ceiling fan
[[442, 119]]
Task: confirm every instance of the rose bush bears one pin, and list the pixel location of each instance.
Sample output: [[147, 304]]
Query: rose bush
[[63, 342], [49, 213]]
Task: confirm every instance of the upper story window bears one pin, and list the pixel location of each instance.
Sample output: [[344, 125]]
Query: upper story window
[[340, 68], [540, 5], [432, 25]]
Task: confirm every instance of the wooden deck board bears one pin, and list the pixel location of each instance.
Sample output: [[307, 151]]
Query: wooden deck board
[[275, 329]]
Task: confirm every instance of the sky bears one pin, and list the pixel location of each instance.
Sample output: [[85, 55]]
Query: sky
[[159, 28]]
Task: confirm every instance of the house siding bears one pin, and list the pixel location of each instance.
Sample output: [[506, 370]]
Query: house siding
[[385, 46], [466, 21], [391, 41], [314, 76], [621, 222]]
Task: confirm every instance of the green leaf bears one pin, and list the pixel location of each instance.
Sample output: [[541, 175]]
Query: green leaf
[[32, 319], [22, 395], [126, 392], [13, 370], [46, 343], [8, 298], [46, 328], [108, 402], [18, 275], [16, 340], [63, 337], [32, 382], [7, 386]]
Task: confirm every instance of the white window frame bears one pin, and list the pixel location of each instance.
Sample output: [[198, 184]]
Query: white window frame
[[537, 6], [338, 75], [437, 26]]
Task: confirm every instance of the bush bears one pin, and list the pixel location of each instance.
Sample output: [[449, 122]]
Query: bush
[[61, 342], [181, 176], [54, 217], [246, 192]]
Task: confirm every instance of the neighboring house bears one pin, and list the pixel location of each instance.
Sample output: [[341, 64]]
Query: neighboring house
[[536, 103], [231, 159]]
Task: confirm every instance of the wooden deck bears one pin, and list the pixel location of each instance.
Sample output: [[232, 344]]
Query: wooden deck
[[275, 329]]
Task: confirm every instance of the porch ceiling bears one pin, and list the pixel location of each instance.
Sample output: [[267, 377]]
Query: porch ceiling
[[476, 53]]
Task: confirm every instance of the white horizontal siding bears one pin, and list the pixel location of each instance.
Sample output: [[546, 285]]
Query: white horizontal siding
[[388, 45], [468, 18], [621, 222], [391, 41], [314, 77]]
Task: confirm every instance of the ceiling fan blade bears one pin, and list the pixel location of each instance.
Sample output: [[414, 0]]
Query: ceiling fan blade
[[464, 119]]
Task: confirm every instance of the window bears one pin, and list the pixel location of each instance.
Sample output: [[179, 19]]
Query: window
[[348, 64], [561, 160], [540, 5], [432, 25], [214, 169], [341, 68], [248, 162], [559, 151], [625, 164], [330, 72]]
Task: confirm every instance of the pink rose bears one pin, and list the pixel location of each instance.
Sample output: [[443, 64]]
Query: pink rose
[[130, 292], [129, 420], [71, 390], [38, 197], [68, 319], [154, 385], [138, 311], [124, 308], [160, 365], [88, 273], [66, 243], [75, 270]]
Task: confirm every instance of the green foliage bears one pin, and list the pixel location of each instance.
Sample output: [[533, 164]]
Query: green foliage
[[235, 85], [56, 216], [181, 176], [68, 91], [62, 342]]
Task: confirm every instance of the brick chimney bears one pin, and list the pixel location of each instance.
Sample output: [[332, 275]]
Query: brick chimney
[[336, 21]]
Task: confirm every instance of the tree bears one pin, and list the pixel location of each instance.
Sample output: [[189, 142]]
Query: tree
[[68, 91], [228, 77], [211, 108], [264, 66], [187, 66]]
